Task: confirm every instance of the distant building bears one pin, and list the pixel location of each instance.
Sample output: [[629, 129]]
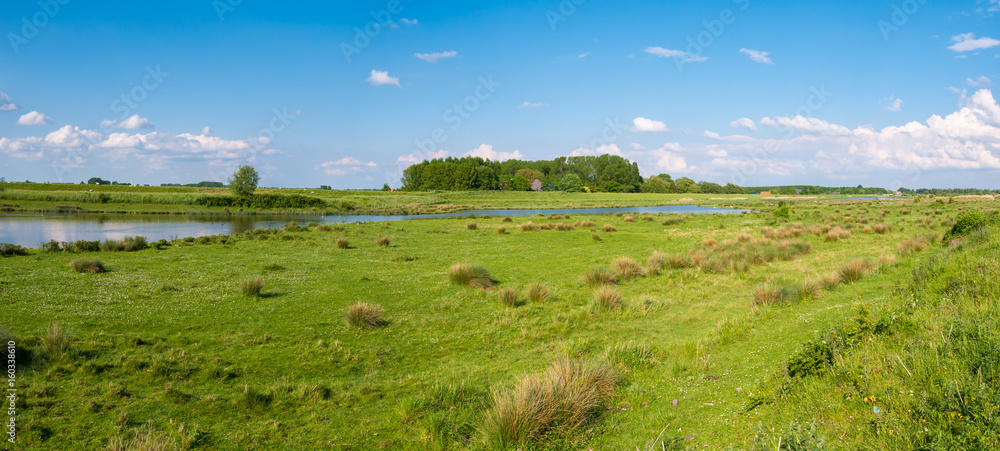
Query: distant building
[[764, 193], [836, 193], [798, 191]]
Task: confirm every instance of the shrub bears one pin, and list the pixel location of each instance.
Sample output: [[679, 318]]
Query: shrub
[[366, 316], [609, 228], [253, 287], [510, 297], [471, 226], [383, 241], [128, 244], [626, 268], [51, 246], [465, 275], [537, 292], [855, 270], [342, 243], [91, 266], [86, 246], [265, 201], [555, 404], [608, 297], [10, 250], [599, 277], [969, 222]]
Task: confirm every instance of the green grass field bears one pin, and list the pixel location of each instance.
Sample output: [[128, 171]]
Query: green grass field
[[175, 348]]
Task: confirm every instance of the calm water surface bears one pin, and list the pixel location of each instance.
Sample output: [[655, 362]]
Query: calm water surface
[[32, 230]]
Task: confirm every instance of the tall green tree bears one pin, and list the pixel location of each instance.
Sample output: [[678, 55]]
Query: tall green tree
[[571, 183], [244, 181]]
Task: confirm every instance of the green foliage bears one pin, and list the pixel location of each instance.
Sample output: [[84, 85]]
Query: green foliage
[[969, 222], [244, 181], [811, 359], [571, 183], [473, 173], [10, 250], [261, 201], [687, 185]]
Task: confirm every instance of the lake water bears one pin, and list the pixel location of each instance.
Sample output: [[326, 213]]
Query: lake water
[[30, 230]]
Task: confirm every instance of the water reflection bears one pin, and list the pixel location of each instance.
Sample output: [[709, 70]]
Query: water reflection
[[32, 230]]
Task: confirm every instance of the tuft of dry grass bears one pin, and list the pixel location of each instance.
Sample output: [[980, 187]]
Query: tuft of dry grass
[[253, 287], [466, 275], [528, 227], [830, 281], [628, 219], [626, 268], [507, 219], [596, 237], [810, 289], [855, 270], [599, 277], [709, 242], [837, 233], [502, 230], [509, 297], [342, 243], [915, 244], [656, 262], [144, 439], [773, 295], [383, 241], [554, 404], [537, 292], [609, 228], [471, 226], [587, 224], [55, 341], [608, 297], [91, 266], [366, 316]]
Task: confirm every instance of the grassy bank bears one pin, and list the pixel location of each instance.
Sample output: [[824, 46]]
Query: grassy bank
[[603, 332]]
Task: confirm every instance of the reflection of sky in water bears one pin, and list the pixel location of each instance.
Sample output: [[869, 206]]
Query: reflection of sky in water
[[31, 231]]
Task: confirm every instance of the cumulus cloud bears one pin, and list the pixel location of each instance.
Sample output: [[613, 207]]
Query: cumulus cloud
[[347, 165], [892, 103], [434, 57], [413, 158], [382, 78], [486, 152], [6, 104], [968, 42], [528, 104], [744, 123], [408, 21], [758, 56], [668, 159], [611, 149], [34, 118], [981, 82], [805, 125], [668, 53], [641, 124], [133, 122]]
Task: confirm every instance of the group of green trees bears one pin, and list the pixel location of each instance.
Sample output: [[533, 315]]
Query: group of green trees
[[605, 173], [809, 189]]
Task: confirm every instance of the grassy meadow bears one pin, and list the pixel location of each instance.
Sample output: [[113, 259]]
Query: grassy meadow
[[845, 325]]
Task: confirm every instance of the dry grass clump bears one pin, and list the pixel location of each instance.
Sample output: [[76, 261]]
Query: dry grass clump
[[55, 341], [599, 277], [528, 227], [465, 275], [819, 229], [507, 219], [773, 295], [587, 224], [608, 297], [656, 262], [501, 230], [509, 297], [830, 281], [383, 241], [783, 232], [810, 289], [837, 233], [563, 227], [366, 316], [709, 242], [915, 244], [886, 260], [545, 227], [628, 219], [342, 243], [537, 292], [597, 237], [92, 266], [855, 270], [144, 439], [471, 226], [678, 262], [626, 268], [609, 228], [253, 287], [554, 404], [670, 222]]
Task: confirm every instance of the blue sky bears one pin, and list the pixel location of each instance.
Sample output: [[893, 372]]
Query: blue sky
[[895, 93]]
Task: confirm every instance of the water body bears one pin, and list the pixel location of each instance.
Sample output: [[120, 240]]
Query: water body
[[32, 230]]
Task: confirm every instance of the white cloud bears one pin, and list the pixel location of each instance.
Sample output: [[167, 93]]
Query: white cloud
[[744, 123], [6, 104], [413, 158], [980, 82], [806, 125], [347, 165], [667, 159], [486, 152], [434, 57], [892, 103], [34, 118], [382, 78], [135, 122], [583, 55], [668, 53], [758, 56], [637, 146], [611, 149], [408, 21], [641, 124], [528, 104], [968, 42]]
